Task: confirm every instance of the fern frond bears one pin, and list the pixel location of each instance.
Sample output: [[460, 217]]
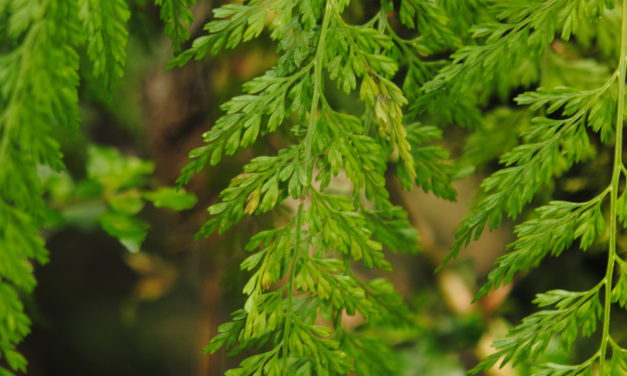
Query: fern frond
[[104, 21], [301, 272], [38, 95]]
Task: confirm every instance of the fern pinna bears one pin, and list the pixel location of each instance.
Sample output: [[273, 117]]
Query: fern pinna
[[554, 141], [302, 282]]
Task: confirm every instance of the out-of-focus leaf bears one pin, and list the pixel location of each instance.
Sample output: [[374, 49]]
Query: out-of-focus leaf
[[128, 202], [169, 197], [114, 170], [130, 231]]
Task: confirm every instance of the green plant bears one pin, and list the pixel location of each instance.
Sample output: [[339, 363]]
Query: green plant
[[113, 193], [40, 43], [302, 282], [554, 141], [349, 95]]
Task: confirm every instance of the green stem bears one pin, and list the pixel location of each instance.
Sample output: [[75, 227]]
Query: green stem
[[318, 63], [618, 163], [317, 90]]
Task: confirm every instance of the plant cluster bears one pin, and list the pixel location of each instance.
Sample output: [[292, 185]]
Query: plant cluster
[[572, 125], [304, 268]]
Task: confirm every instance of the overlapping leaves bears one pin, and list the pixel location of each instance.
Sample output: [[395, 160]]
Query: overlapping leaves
[[39, 98], [551, 144], [301, 271]]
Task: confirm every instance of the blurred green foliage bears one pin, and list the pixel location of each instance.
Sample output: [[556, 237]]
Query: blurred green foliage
[[113, 193]]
